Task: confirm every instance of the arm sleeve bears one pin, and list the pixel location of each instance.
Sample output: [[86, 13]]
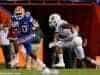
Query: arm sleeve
[[31, 19]]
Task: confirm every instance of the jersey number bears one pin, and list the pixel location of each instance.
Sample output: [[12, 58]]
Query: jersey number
[[24, 29]]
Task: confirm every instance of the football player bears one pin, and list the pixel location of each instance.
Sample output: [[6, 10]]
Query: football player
[[25, 35], [54, 22], [63, 40], [74, 40]]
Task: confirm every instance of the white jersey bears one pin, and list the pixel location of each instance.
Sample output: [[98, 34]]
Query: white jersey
[[63, 32], [3, 38]]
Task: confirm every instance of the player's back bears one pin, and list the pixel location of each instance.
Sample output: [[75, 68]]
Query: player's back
[[65, 32]]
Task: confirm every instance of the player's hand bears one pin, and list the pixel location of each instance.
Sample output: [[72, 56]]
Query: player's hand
[[59, 44], [52, 44]]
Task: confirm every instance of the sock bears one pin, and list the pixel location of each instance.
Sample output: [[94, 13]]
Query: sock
[[37, 60], [28, 62], [41, 63], [61, 58], [17, 58], [14, 61]]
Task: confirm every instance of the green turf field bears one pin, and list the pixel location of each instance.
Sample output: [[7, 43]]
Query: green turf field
[[62, 72], [4, 71]]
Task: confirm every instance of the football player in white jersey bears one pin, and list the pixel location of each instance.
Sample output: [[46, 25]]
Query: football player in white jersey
[[54, 20], [66, 37]]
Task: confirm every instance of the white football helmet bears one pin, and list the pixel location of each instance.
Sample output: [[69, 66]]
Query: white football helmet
[[54, 19]]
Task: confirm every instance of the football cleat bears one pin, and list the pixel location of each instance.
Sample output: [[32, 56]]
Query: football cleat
[[59, 65]]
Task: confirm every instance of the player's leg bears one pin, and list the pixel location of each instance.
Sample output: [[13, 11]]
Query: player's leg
[[28, 47], [81, 56], [42, 67], [14, 51], [79, 51], [68, 57], [59, 49], [6, 50], [14, 47], [28, 50], [59, 53]]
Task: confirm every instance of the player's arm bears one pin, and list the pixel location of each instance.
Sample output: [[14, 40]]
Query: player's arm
[[73, 34], [35, 25]]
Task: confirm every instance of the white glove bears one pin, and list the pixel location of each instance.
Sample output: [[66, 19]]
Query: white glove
[[59, 44], [52, 44]]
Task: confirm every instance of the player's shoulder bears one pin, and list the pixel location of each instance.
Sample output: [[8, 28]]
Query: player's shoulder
[[14, 17], [28, 18]]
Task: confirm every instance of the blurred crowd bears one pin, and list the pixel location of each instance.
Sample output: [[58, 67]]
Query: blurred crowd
[[52, 1], [57, 0]]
